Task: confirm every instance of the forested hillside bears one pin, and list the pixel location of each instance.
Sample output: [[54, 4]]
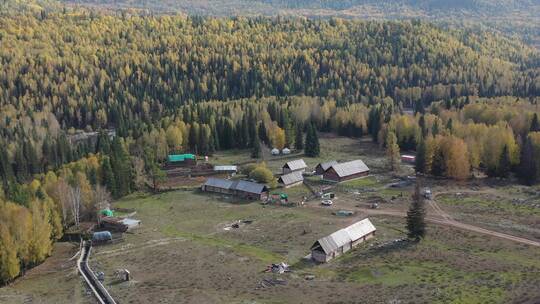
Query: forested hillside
[[193, 84], [509, 17], [463, 7], [92, 72]]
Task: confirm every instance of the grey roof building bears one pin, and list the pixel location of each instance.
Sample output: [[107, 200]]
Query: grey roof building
[[248, 187], [226, 168], [240, 188], [294, 165], [291, 179], [218, 183], [346, 171], [341, 241], [322, 167]]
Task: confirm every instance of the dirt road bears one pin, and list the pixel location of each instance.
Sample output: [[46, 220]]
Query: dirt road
[[446, 220]]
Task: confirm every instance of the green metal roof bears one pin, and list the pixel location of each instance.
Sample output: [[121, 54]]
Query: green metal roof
[[106, 212], [180, 157], [281, 195]]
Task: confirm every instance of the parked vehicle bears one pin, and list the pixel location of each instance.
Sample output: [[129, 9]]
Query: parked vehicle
[[327, 196], [427, 194], [327, 203]]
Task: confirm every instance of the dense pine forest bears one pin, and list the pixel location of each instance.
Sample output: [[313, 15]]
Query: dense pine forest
[[464, 100]]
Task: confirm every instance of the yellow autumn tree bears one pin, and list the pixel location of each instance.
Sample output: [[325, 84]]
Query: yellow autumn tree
[[9, 263], [40, 241], [174, 137], [277, 136], [456, 158]]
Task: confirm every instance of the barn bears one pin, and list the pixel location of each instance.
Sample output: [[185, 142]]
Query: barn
[[291, 179], [322, 167], [346, 171], [341, 241], [294, 165], [218, 185], [240, 188]]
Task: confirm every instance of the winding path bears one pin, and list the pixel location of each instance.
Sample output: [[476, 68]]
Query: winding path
[[446, 220]]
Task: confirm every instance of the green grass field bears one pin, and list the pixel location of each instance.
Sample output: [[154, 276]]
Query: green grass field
[[185, 251], [448, 267]]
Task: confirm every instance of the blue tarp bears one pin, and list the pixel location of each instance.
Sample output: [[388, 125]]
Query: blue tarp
[[102, 236]]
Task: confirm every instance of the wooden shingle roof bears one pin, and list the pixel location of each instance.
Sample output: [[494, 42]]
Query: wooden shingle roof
[[344, 236], [291, 178], [297, 164], [350, 168], [326, 165]]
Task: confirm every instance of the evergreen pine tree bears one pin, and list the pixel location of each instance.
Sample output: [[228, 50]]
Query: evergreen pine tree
[[244, 134], [419, 107], [312, 148], [31, 157], [504, 163], [204, 137], [262, 133], [6, 172], [288, 128], [535, 124], [438, 166], [92, 176], [449, 125], [103, 144], [416, 225], [435, 128], [299, 138], [374, 123], [528, 170], [107, 176], [20, 166], [121, 166], [193, 137], [256, 148], [420, 160], [228, 135], [252, 126], [215, 138], [422, 125]]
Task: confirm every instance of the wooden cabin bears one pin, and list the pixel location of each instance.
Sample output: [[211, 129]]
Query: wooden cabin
[[294, 165], [346, 171], [341, 241], [239, 188]]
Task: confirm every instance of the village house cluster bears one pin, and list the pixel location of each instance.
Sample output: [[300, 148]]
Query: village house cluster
[[292, 175]]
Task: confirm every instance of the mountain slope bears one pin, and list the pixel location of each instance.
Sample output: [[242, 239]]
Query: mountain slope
[[271, 7], [508, 16]]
